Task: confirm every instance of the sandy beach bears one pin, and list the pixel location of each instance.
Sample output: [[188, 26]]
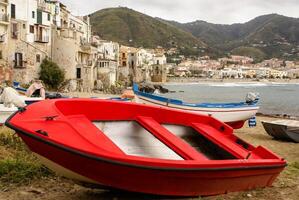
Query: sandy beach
[[58, 188]]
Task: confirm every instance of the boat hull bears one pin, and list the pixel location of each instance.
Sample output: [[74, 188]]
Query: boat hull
[[282, 131], [143, 149], [235, 117], [86, 168]]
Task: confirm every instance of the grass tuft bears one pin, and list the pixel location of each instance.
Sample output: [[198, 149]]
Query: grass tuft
[[20, 171], [20, 166]]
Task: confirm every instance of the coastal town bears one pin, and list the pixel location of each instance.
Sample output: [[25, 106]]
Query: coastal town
[[49, 30], [115, 101]]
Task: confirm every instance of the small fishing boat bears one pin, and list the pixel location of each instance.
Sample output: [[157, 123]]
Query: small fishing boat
[[141, 148], [234, 114], [5, 111], [287, 130]]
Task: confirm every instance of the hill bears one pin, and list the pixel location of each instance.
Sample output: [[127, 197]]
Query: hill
[[272, 35], [129, 27]]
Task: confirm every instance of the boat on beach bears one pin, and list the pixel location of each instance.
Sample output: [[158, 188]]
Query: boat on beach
[[287, 130], [5, 111], [142, 148], [234, 114]]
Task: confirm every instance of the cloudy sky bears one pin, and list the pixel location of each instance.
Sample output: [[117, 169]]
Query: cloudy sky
[[215, 11]]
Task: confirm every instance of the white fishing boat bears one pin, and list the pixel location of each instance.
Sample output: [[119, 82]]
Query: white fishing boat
[[234, 114]]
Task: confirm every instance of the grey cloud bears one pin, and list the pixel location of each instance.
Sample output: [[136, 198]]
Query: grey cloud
[[215, 11]]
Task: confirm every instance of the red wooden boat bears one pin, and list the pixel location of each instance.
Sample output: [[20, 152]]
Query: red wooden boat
[[144, 149]]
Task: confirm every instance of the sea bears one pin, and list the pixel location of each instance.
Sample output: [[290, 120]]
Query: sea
[[275, 98]]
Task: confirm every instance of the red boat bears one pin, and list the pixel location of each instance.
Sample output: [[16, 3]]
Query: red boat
[[143, 149]]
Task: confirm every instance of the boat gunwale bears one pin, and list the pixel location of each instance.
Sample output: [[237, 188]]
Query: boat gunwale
[[193, 105], [127, 164], [203, 109]]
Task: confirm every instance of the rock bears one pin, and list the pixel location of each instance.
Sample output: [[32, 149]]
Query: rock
[[36, 191], [249, 195]]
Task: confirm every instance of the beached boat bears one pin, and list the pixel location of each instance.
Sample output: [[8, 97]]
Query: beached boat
[[287, 130], [143, 148], [5, 112], [234, 114]]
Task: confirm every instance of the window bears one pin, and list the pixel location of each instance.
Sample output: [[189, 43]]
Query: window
[[14, 30], [18, 60], [78, 73], [33, 14], [13, 11], [49, 17], [124, 64], [24, 26], [1, 56], [158, 62], [31, 29], [38, 58], [39, 15]]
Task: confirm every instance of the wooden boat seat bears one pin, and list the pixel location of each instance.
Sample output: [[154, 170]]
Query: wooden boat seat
[[92, 134], [213, 135], [176, 144]]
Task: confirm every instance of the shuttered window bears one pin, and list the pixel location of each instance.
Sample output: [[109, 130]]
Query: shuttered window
[[13, 11], [39, 17], [18, 60]]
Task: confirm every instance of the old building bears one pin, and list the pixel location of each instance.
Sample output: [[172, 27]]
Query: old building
[[107, 62], [72, 49], [27, 37], [5, 70]]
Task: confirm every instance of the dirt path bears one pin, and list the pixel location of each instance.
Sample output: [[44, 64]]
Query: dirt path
[[286, 187]]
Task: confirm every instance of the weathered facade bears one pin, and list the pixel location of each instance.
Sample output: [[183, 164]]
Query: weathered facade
[[106, 68], [5, 70]]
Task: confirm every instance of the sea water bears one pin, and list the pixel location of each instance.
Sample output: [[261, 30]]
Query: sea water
[[275, 98]]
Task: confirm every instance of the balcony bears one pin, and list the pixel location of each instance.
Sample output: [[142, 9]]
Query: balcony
[[4, 2], [20, 64], [43, 6], [4, 19], [41, 39]]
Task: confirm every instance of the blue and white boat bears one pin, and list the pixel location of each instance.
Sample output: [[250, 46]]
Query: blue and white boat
[[234, 114]]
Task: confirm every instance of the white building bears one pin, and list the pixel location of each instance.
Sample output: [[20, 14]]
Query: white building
[[107, 63]]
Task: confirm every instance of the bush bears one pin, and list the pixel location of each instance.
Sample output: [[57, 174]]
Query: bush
[[51, 74]]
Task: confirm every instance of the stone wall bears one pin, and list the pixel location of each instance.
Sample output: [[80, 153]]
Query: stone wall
[[5, 73]]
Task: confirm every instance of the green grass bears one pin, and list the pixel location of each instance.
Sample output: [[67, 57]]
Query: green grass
[[20, 166], [21, 170]]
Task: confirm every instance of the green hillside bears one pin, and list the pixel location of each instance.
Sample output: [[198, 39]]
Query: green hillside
[[273, 35], [130, 27]]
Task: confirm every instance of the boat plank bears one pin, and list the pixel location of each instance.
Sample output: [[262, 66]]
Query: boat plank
[[175, 143], [92, 134], [221, 140]]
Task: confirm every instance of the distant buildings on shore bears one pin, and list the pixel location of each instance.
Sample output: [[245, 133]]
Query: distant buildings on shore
[[33, 30], [236, 67]]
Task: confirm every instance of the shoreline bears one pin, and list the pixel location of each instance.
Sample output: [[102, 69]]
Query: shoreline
[[211, 80]]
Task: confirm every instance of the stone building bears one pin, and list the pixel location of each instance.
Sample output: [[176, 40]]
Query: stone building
[[26, 37], [5, 70], [107, 62], [72, 49]]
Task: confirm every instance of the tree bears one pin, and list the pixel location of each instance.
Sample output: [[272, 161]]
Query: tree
[[51, 74]]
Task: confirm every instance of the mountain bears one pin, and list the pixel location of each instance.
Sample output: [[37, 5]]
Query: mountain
[[129, 27], [263, 37]]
